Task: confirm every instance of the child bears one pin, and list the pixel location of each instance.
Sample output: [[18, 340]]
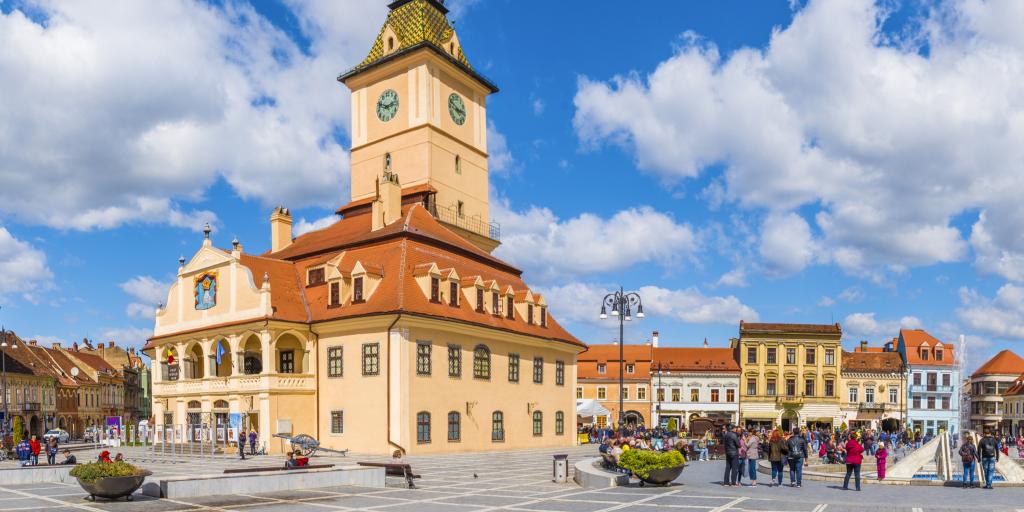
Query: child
[[880, 455]]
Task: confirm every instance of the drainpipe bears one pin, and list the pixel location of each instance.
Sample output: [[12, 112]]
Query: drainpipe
[[316, 380], [387, 399]]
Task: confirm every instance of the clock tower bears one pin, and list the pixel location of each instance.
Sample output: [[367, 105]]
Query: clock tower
[[419, 117]]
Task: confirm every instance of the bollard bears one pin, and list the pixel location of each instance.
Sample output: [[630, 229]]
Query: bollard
[[560, 468]]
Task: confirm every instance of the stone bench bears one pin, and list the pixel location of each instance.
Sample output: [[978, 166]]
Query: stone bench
[[263, 481], [589, 476], [37, 474]]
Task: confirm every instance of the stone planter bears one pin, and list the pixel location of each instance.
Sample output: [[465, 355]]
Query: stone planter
[[116, 487], [662, 476]]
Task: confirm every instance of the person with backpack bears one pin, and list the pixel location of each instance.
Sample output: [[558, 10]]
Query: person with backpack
[[797, 448], [969, 458], [988, 449]]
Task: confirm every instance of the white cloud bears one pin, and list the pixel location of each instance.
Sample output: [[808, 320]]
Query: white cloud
[[549, 247], [538, 107], [123, 113], [736, 277], [787, 246], [852, 294], [147, 292], [305, 226], [126, 336], [500, 159], [581, 302], [880, 143], [1001, 316], [865, 326], [826, 302], [23, 269]]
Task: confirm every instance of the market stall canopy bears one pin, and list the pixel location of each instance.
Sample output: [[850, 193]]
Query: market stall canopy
[[590, 408]]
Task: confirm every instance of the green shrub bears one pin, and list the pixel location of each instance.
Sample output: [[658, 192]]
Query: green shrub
[[673, 425], [17, 430], [95, 470], [642, 462]]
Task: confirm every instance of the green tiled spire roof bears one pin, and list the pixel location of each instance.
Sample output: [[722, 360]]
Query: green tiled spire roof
[[415, 22]]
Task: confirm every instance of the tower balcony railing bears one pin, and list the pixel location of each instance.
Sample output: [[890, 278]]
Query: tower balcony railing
[[476, 225], [261, 382], [922, 388]]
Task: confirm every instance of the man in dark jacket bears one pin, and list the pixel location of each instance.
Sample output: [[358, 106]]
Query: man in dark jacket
[[988, 449], [731, 443], [797, 455]]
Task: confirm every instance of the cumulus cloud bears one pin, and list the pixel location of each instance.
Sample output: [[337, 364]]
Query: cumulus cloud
[[876, 140], [1001, 316], [126, 336], [124, 113], [852, 294], [866, 326], [826, 301], [736, 277], [787, 246], [500, 159], [581, 302], [147, 292], [23, 269], [304, 226], [548, 247]]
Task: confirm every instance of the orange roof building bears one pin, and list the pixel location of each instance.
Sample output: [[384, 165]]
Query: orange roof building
[[874, 392], [695, 384], [933, 400], [395, 327], [597, 378], [991, 383]]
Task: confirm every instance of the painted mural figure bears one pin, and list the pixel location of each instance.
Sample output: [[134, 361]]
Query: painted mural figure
[[206, 292]]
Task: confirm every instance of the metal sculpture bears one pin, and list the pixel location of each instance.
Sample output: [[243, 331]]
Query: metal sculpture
[[306, 445]]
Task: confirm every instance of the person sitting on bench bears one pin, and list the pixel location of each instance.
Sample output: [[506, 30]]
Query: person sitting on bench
[[291, 463], [69, 459]]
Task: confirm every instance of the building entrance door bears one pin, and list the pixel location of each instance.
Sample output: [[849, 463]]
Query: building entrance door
[[789, 420]]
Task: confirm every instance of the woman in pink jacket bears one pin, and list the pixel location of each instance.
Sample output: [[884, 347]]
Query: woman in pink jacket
[[854, 457], [881, 454]]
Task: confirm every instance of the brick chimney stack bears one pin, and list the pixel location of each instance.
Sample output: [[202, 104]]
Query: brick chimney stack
[[654, 339], [863, 345]]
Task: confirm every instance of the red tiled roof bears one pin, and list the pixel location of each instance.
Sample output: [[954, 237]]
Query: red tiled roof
[[1017, 388], [914, 339], [873, 362], [791, 328], [695, 359], [1006, 362], [637, 355], [66, 364], [95, 361]]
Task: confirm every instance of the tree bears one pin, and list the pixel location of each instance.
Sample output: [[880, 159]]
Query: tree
[[18, 430], [673, 425]]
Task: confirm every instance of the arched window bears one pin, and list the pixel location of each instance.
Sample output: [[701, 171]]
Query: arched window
[[454, 426], [481, 362], [391, 44], [559, 423], [423, 427], [194, 404], [497, 426], [538, 423], [220, 404]]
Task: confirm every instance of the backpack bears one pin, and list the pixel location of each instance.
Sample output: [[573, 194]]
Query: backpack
[[965, 454]]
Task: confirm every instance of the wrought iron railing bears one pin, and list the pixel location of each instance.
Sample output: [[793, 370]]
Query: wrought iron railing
[[477, 225]]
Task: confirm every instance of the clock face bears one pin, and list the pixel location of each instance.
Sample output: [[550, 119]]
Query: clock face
[[457, 109], [387, 105]]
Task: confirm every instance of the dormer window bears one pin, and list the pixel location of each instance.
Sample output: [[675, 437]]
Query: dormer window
[[435, 289], [938, 354], [480, 300], [315, 276], [510, 312], [335, 295], [496, 303], [357, 290], [543, 317], [924, 354], [453, 300], [529, 313]]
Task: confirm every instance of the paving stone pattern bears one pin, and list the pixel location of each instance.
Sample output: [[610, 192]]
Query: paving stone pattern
[[516, 481]]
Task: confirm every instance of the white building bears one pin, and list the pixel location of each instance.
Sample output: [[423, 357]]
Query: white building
[[692, 383]]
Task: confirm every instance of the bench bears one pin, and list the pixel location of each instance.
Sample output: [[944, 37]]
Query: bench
[[394, 469], [274, 468]]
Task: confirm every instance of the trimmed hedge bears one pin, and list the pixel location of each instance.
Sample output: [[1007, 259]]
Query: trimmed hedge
[[642, 462]]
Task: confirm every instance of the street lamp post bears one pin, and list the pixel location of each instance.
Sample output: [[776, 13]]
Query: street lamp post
[[7, 413], [622, 305]]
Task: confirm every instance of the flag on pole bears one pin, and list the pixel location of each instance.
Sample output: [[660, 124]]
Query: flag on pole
[[220, 351]]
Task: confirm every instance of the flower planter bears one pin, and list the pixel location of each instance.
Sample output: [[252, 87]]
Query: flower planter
[[115, 487], [662, 476]]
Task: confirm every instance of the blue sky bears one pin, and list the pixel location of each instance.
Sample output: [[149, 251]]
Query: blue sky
[[817, 162]]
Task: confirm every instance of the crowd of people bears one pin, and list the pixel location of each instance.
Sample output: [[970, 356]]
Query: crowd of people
[[28, 450]]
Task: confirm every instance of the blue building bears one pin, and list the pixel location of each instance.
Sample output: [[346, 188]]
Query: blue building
[[933, 377]]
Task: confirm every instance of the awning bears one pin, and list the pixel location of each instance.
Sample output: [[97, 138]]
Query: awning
[[760, 416], [590, 408], [821, 420]]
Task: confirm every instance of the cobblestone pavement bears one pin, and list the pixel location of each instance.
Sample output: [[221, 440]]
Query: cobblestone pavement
[[518, 481]]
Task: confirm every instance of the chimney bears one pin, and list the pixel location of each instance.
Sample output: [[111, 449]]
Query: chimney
[[32, 342], [74, 346], [110, 344], [705, 343], [280, 229], [863, 345], [387, 206], [654, 339], [56, 346]]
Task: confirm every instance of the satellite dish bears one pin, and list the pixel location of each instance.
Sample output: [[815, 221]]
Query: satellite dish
[[74, 371]]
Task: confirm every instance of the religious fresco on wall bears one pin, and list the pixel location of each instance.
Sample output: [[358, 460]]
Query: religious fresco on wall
[[206, 290]]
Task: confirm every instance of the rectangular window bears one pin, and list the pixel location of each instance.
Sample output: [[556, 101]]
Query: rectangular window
[[314, 276], [790, 387], [675, 395], [625, 393], [559, 373], [630, 367], [751, 355], [454, 426], [893, 394], [730, 395], [714, 395], [945, 379], [337, 422], [751, 387], [286, 361], [808, 387], [660, 393], [454, 361], [769, 387], [510, 307], [435, 289], [938, 354], [423, 350], [601, 368], [869, 395], [695, 395], [423, 428], [513, 367], [641, 393], [830, 388], [371, 359], [791, 356], [579, 393], [357, 290], [945, 403], [335, 367], [538, 370], [830, 357], [917, 402], [924, 354], [809, 356], [931, 402], [917, 379], [495, 303], [602, 393], [335, 298], [529, 313], [770, 358], [543, 317], [453, 294], [480, 300]]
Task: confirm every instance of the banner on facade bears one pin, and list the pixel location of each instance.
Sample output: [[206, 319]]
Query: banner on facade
[[235, 422]]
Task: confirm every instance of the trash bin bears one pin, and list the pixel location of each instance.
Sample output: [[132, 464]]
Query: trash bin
[[560, 468]]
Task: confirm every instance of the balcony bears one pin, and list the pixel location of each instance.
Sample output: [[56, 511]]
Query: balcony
[[472, 224], [237, 383], [919, 388], [871, 407], [789, 399], [31, 406]]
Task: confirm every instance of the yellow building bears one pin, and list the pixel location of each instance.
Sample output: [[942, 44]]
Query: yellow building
[[789, 375], [873, 389], [394, 328]]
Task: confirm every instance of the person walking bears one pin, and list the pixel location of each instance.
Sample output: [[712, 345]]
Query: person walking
[[731, 444], [777, 451], [881, 455], [702, 450], [753, 454], [252, 442], [969, 458], [988, 448], [854, 458], [241, 443], [24, 451], [797, 448], [51, 450], [36, 448]]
